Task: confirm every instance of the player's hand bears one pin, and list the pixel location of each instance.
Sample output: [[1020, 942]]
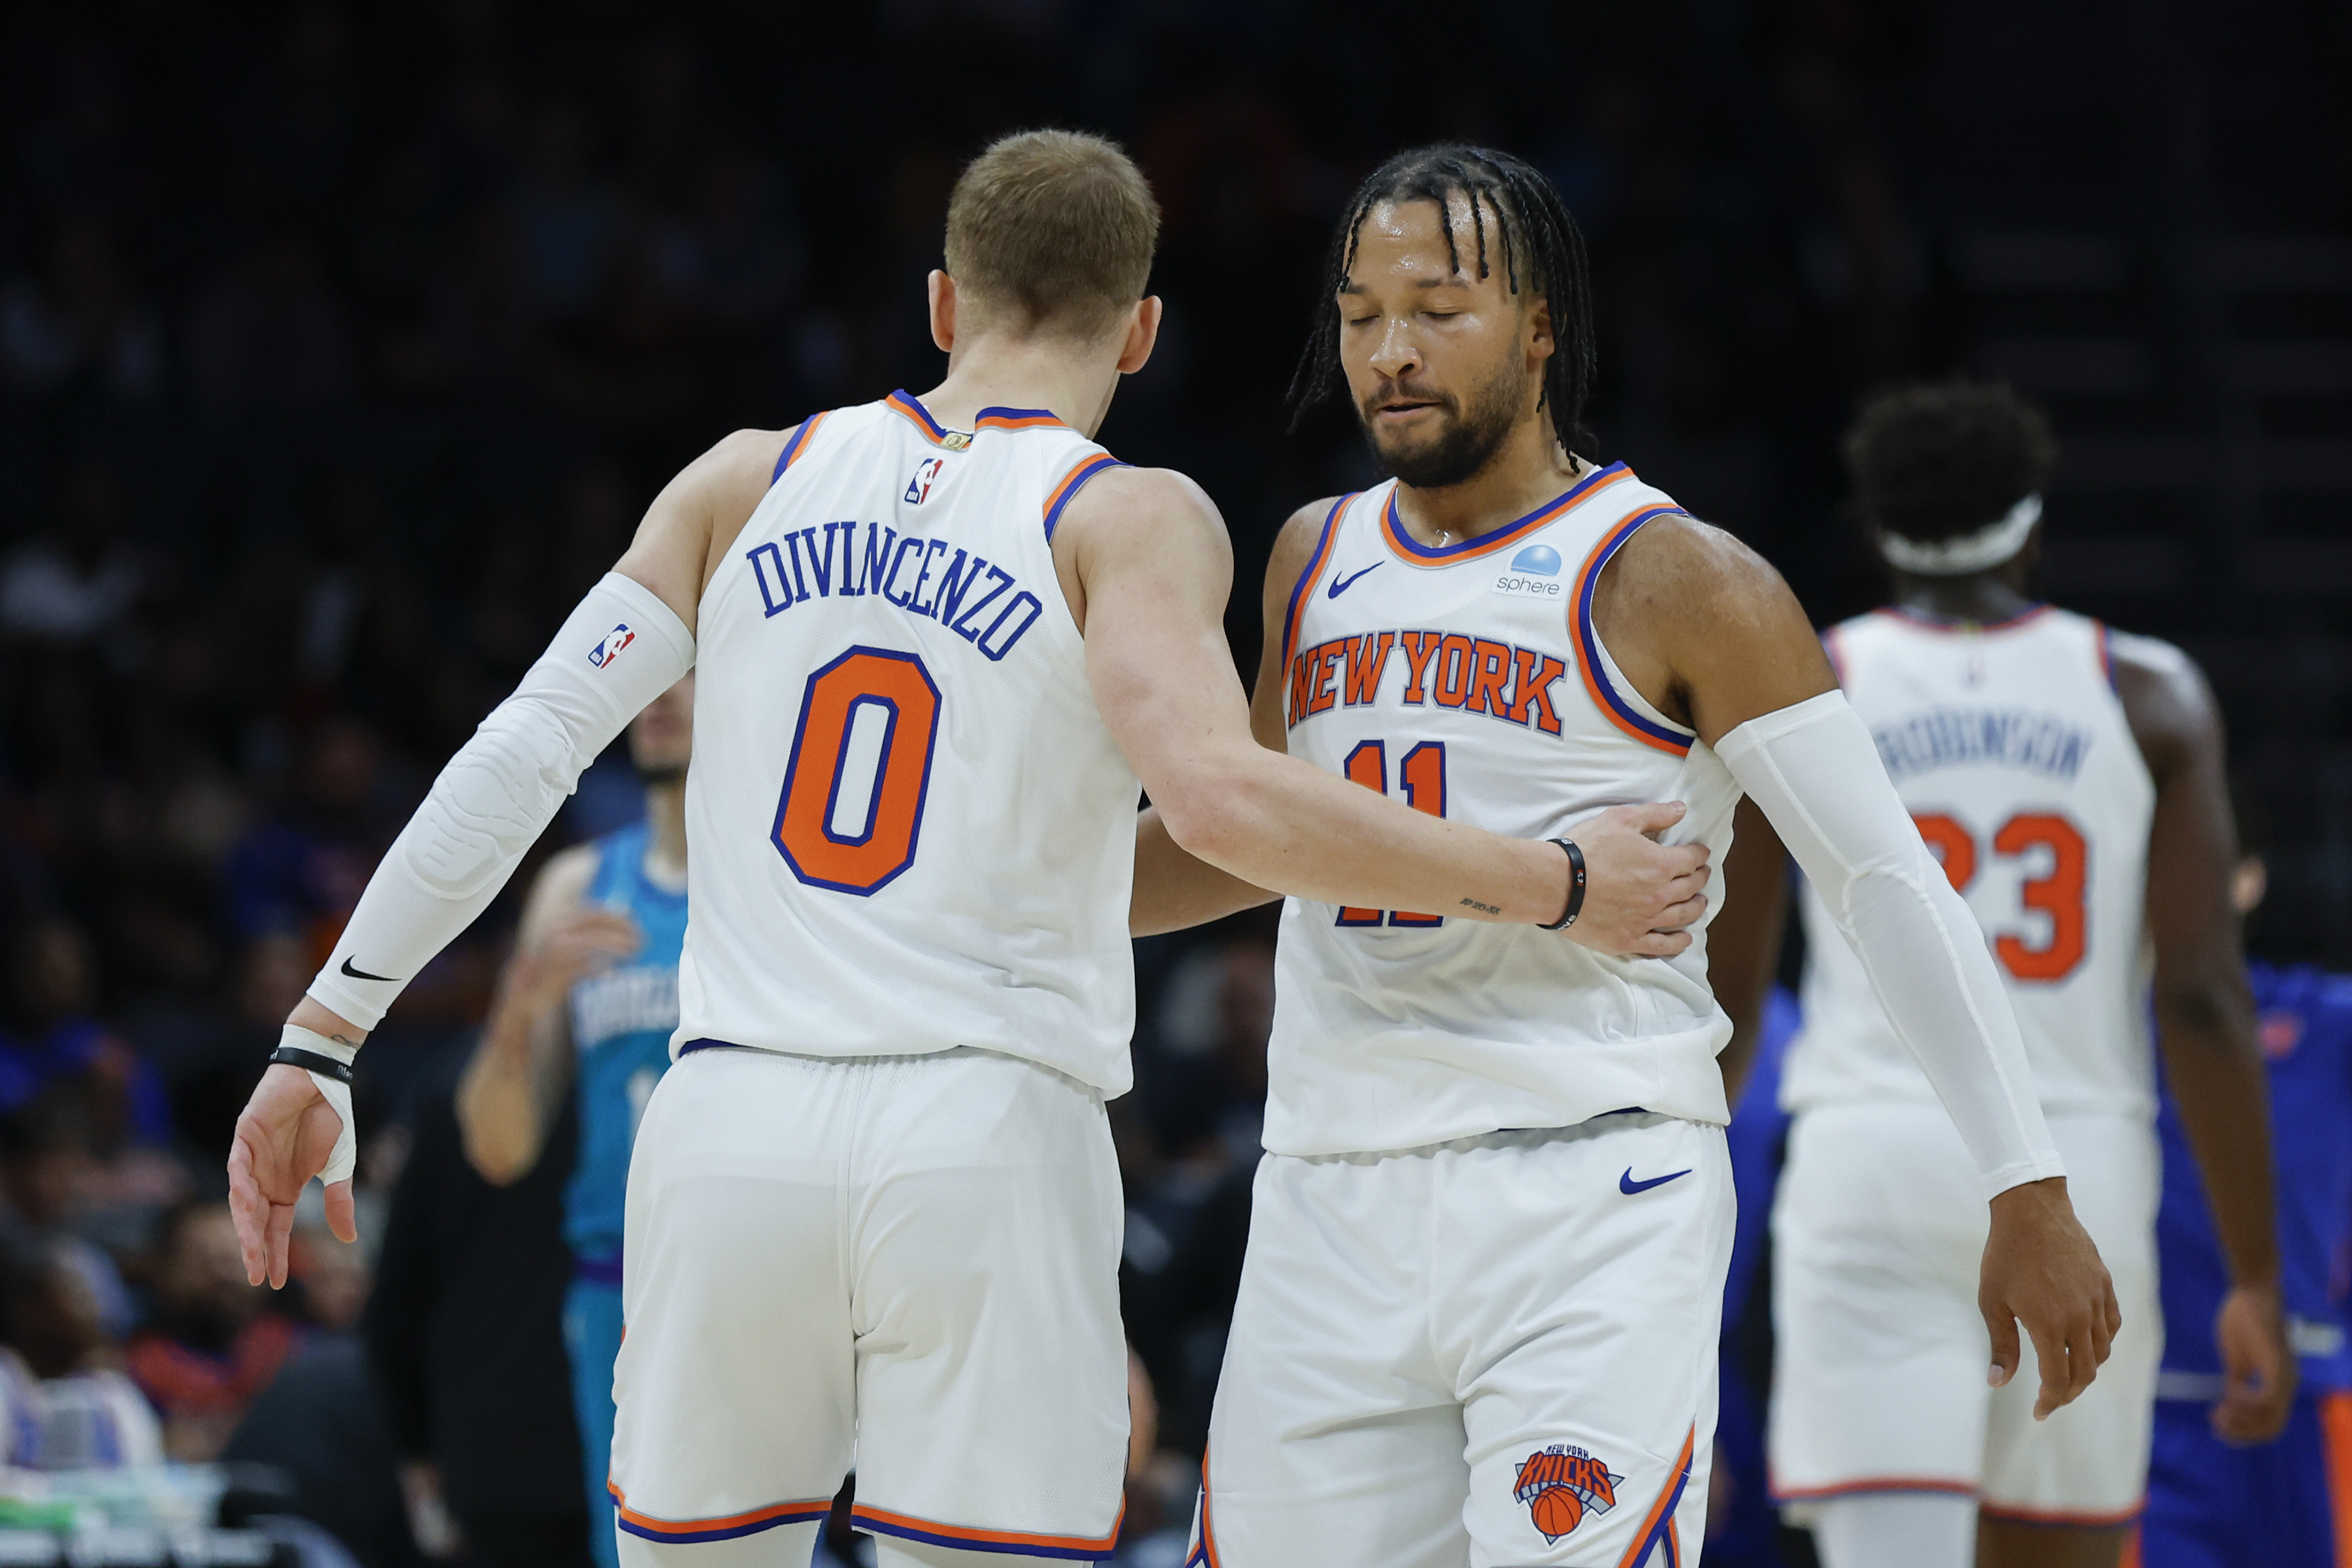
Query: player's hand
[[2042, 1270], [284, 1137], [579, 942], [1639, 894], [2258, 1368]]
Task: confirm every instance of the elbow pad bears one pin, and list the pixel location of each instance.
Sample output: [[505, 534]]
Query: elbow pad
[[1815, 772], [621, 648]]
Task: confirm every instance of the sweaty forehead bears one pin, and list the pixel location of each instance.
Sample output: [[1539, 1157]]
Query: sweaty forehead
[[1402, 242]]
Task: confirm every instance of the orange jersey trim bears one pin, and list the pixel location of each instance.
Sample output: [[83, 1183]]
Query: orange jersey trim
[[915, 413], [796, 445], [2061, 1517], [1613, 708], [2336, 1439], [1305, 587], [1204, 1551], [1074, 482], [1657, 1526], [724, 1528], [1406, 548], [1870, 1485], [1018, 420], [1081, 1547]]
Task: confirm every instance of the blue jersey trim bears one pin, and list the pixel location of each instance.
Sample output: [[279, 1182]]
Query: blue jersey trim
[[1071, 485]]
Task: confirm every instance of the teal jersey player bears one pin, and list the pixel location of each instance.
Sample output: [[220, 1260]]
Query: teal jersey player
[[621, 1019], [585, 1011]]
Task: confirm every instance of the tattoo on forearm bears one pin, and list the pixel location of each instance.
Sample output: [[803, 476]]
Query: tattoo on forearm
[[1482, 908]]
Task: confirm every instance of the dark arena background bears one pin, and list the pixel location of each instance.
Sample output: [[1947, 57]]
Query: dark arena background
[[342, 347]]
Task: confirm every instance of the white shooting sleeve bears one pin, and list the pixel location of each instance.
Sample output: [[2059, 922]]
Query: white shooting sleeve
[[1815, 772], [621, 648]]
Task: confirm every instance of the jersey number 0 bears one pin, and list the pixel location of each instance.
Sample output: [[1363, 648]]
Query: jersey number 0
[[852, 800]]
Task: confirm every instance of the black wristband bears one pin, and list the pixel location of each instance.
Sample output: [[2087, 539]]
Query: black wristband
[[1575, 887], [312, 1061]]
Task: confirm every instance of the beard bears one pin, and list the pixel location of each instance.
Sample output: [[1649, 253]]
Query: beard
[[1467, 443]]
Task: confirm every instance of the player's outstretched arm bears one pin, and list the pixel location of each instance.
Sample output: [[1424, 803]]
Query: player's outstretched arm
[[1639, 893], [515, 1080], [628, 641], [1148, 558], [2205, 1021], [1705, 627]]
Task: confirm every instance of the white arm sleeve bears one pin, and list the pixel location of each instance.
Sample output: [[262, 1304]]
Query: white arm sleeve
[[621, 648], [1814, 771]]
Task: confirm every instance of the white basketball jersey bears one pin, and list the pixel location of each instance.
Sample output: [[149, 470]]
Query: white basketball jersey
[[909, 828], [2011, 750], [1467, 680]]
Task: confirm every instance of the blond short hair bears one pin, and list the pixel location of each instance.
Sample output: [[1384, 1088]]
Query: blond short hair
[[1054, 228]]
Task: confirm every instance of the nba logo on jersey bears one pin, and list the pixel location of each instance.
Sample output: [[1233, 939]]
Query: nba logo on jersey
[[605, 652], [1534, 572], [1560, 1483], [927, 474]]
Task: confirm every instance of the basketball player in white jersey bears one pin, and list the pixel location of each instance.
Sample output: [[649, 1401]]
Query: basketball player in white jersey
[[873, 1210], [2070, 780], [1478, 1319]]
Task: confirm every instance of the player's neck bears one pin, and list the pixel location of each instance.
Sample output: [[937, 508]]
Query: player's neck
[[1528, 469], [1074, 381], [666, 853], [1984, 598]]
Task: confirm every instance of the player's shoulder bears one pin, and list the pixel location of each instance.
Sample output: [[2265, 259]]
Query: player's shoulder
[[2162, 689], [2158, 659], [1157, 518], [1124, 494], [1674, 556]]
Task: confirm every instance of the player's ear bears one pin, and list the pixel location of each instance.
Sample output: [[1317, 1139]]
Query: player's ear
[[943, 310], [1540, 342], [1142, 333]]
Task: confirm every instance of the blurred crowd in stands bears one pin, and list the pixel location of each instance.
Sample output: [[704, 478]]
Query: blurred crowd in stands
[[340, 352]]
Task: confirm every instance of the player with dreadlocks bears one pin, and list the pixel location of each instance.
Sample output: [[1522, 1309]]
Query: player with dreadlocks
[[1478, 1317]]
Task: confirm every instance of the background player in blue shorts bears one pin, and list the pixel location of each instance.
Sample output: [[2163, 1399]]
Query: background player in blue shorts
[[592, 994], [2290, 1501]]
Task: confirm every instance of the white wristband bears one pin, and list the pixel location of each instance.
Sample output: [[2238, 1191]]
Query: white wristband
[[336, 1092]]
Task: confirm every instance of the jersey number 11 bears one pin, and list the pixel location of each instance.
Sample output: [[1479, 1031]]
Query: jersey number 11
[[1422, 775]]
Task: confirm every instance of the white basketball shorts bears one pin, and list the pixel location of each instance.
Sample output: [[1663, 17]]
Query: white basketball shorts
[[1497, 1351], [905, 1263], [1879, 1373]]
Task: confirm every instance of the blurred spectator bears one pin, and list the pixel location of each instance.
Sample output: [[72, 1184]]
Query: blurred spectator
[[213, 1342], [302, 868], [318, 1420], [464, 1340], [74, 586], [66, 1404], [52, 1039], [49, 1176]]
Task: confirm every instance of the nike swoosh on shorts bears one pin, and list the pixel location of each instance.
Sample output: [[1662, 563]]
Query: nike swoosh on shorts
[[1629, 1186]]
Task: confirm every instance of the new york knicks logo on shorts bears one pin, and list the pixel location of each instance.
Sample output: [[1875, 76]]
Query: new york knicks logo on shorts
[[1560, 1484]]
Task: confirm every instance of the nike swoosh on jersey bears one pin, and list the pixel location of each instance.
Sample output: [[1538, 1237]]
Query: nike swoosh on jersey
[[1629, 1186], [361, 974], [1342, 584]]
